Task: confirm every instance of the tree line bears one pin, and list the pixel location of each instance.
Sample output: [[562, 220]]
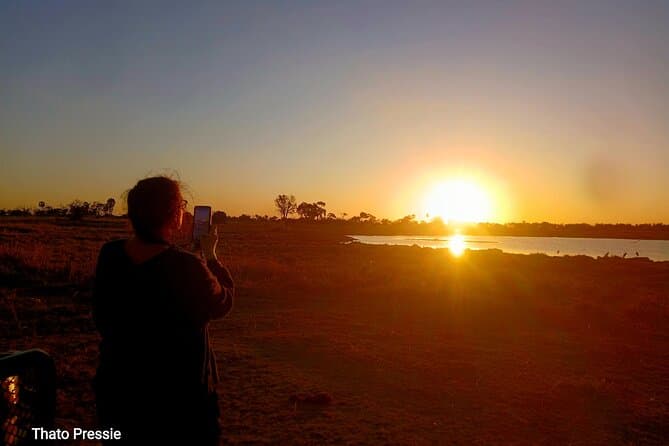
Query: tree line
[[286, 205], [76, 210], [366, 223]]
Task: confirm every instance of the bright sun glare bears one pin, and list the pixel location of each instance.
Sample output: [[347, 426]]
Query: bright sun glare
[[459, 200], [456, 244]]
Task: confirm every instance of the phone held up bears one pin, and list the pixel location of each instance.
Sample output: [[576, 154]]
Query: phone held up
[[201, 223]]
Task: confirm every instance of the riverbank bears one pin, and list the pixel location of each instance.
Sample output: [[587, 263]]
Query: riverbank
[[331, 343], [657, 250]]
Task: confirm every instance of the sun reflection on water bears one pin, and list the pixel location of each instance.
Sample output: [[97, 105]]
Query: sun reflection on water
[[456, 244]]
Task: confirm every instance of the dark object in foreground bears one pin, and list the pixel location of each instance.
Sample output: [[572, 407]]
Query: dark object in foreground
[[28, 383]]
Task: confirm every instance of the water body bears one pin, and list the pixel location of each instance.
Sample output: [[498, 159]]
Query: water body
[[554, 246]]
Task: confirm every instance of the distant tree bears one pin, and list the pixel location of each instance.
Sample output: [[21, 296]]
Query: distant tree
[[437, 222], [42, 209], [367, 217], [286, 205], [320, 207], [96, 209], [331, 216], [219, 217], [312, 211], [19, 212], [60, 211], [77, 209], [304, 210], [109, 206]]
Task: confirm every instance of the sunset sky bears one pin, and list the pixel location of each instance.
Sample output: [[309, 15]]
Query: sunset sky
[[557, 110]]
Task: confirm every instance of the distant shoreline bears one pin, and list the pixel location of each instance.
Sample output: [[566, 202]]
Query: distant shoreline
[[592, 236]]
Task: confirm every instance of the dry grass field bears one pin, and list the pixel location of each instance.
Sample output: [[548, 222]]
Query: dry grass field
[[333, 343]]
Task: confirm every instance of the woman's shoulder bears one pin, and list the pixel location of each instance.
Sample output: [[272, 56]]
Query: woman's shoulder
[[184, 266]]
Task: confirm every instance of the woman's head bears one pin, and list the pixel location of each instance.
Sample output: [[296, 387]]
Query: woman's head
[[155, 208]]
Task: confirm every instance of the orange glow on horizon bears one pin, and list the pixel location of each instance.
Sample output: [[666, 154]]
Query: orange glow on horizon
[[459, 200]]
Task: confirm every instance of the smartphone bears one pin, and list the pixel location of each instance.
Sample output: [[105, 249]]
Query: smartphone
[[201, 222]]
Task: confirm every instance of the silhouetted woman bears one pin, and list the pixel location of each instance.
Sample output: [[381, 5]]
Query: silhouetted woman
[[152, 301]]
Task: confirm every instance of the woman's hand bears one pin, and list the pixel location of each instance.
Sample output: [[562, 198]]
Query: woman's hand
[[208, 243]]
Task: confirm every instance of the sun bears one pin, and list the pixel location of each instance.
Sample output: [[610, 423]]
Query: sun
[[459, 200]]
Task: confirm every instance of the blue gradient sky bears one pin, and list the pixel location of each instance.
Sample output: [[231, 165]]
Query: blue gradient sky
[[559, 110]]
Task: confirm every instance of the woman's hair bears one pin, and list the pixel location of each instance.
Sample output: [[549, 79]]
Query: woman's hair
[[152, 204]]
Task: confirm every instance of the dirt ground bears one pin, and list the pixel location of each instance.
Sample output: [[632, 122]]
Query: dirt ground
[[332, 343]]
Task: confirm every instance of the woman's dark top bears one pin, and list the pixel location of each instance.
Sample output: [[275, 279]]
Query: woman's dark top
[[157, 371]]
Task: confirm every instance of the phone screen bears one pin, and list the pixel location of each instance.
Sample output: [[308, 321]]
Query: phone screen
[[201, 221]]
